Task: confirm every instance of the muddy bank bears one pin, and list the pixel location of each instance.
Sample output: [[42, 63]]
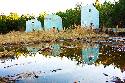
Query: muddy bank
[[6, 80]]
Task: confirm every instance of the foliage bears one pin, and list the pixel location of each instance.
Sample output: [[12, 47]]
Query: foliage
[[41, 17], [119, 13], [105, 11], [13, 22], [112, 14], [70, 17]]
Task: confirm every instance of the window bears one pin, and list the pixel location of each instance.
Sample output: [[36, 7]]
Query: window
[[89, 10], [91, 24], [48, 18]]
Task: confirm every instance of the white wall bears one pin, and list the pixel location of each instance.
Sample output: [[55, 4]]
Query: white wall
[[89, 17], [33, 24], [52, 21]]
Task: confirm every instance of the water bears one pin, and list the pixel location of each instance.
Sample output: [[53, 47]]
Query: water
[[65, 62]]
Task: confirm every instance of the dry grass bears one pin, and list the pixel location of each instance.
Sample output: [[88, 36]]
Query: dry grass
[[41, 36]]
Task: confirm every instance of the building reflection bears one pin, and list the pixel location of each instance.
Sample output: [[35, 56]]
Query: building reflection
[[55, 50], [90, 55], [30, 49]]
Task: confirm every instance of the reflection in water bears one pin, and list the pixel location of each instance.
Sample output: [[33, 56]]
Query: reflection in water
[[68, 66], [111, 56], [32, 49], [73, 54], [39, 69], [56, 49], [90, 55]]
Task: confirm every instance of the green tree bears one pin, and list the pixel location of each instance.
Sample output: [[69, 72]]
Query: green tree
[[3, 26], [41, 17], [105, 12], [119, 13], [22, 22], [12, 21], [70, 16]]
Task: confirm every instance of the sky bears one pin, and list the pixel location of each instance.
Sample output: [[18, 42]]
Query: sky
[[37, 6]]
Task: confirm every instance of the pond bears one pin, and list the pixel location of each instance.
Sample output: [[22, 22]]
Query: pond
[[64, 62]]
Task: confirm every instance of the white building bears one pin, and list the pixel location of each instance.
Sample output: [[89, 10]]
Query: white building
[[89, 16], [33, 25], [51, 21]]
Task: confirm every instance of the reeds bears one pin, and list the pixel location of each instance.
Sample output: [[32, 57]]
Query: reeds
[[43, 36]]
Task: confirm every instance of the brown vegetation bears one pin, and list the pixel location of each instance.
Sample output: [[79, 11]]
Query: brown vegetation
[[43, 36]]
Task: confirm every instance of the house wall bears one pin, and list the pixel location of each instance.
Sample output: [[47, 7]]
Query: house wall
[[89, 14], [52, 21], [33, 24]]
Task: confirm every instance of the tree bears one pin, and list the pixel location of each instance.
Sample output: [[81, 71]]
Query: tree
[[12, 21], [70, 16], [41, 17], [22, 22], [3, 27], [119, 13], [105, 11]]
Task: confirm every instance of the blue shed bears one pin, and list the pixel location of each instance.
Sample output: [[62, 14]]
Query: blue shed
[[89, 16], [53, 21], [33, 25]]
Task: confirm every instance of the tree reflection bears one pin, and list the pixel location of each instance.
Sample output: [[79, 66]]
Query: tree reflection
[[12, 52], [73, 54], [111, 55]]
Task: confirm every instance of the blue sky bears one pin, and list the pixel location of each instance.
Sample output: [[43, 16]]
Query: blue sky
[[37, 6]]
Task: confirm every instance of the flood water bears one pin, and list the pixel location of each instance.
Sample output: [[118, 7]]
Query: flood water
[[65, 62]]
